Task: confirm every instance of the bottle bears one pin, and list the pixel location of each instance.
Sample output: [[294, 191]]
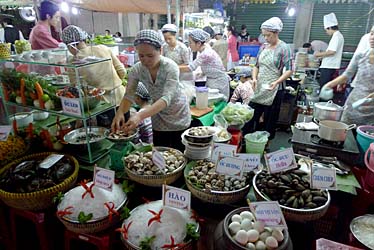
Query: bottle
[[202, 97]]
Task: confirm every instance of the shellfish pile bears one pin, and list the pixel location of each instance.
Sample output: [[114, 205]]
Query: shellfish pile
[[204, 176], [142, 164]]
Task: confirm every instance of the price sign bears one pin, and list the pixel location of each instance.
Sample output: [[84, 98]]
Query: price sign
[[323, 178], [231, 166], [176, 197], [50, 161], [71, 106], [159, 160], [104, 178], [281, 160], [222, 150], [251, 161], [269, 212], [4, 132]]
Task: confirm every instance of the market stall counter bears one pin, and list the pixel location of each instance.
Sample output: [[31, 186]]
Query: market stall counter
[[207, 119]]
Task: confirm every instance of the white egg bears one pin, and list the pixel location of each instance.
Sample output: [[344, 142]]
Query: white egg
[[251, 246], [241, 237], [271, 242], [253, 235], [259, 226], [247, 215], [277, 234], [246, 224], [234, 227], [264, 235], [260, 245], [236, 217]]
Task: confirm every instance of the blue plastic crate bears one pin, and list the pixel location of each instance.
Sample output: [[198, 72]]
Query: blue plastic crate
[[248, 49]]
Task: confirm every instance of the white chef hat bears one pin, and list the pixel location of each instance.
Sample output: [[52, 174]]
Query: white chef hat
[[329, 20]]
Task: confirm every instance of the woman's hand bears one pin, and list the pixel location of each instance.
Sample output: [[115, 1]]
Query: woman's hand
[[370, 95], [132, 123], [118, 122], [254, 84], [273, 85]]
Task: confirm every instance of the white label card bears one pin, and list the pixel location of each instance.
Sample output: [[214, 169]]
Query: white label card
[[323, 178], [104, 178], [231, 166], [71, 106], [222, 150], [158, 159], [251, 161], [4, 132], [176, 197], [50, 161], [281, 160], [268, 212]]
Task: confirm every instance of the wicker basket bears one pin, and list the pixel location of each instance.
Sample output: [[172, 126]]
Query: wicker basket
[[157, 180], [217, 197], [40, 199], [294, 214]]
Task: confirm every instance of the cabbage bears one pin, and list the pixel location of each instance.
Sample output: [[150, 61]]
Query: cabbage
[[236, 113]]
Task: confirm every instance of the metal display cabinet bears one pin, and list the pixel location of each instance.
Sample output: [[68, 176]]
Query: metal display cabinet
[[30, 82]]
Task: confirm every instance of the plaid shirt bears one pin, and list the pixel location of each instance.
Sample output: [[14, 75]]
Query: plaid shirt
[[243, 91]]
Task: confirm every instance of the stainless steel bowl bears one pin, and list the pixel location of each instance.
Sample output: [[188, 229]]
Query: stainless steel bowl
[[89, 101], [77, 138], [122, 138]]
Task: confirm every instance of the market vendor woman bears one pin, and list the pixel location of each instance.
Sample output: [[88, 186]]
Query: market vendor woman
[[170, 111]]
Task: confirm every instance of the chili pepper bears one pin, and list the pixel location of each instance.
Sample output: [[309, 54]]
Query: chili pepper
[[46, 136], [156, 217], [172, 244], [111, 210], [88, 189], [15, 130], [30, 130], [124, 230], [6, 93], [64, 212], [195, 217], [22, 91], [39, 92]]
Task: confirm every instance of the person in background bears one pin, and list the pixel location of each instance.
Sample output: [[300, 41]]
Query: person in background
[[244, 91], [40, 36], [232, 52], [142, 99], [106, 75], [332, 57], [261, 39], [210, 31], [56, 30], [209, 62], [170, 111], [9, 34], [272, 68], [244, 35], [118, 34], [174, 49], [107, 33], [361, 67], [221, 46]]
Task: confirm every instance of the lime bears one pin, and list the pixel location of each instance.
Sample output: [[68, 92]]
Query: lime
[[45, 97]]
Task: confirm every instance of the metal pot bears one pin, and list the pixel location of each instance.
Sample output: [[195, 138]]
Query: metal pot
[[328, 111], [333, 130]]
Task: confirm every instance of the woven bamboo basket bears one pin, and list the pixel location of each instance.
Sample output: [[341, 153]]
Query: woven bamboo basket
[[294, 214], [217, 197], [157, 180], [42, 199]]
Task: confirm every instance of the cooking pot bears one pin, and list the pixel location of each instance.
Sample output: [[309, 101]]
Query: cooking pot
[[333, 130], [327, 111]]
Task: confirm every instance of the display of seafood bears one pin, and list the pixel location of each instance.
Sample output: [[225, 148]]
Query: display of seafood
[[73, 92], [200, 131], [203, 175], [29, 177], [291, 189], [121, 135], [142, 164], [92, 137]]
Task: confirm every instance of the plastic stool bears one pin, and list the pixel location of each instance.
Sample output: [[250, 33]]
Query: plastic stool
[[100, 241], [35, 217]]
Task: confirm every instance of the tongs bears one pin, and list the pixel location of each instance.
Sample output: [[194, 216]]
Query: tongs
[[327, 161]]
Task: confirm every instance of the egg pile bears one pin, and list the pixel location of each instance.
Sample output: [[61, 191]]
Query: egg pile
[[253, 234]]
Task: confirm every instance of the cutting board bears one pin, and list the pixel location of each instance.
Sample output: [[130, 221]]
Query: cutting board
[[200, 112]]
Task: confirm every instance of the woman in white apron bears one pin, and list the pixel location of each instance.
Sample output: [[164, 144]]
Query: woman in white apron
[[273, 67]]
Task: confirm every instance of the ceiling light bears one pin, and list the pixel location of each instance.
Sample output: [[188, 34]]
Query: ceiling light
[[64, 7], [291, 11], [74, 10]]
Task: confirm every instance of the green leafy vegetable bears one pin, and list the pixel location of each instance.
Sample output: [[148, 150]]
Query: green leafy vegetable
[[125, 213], [192, 232], [126, 187], [58, 198], [237, 113], [145, 244], [82, 218]]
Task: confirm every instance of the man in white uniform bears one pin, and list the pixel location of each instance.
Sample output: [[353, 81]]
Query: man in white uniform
[[332, 57]]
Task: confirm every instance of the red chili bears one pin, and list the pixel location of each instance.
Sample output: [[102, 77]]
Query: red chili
[[15, 130], [88, 189], [156, 217], [172, 244], [111, 210], [125, 230], [64, 212]]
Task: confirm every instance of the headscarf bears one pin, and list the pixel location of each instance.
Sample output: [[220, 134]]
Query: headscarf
[[142, 91], [73, 34], [273, 24], [199, 35], [169, 27], [150, 37]]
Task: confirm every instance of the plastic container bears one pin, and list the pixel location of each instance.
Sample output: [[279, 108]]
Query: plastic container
[[363, 138], [369, 162], [255, 142], [202, 94]]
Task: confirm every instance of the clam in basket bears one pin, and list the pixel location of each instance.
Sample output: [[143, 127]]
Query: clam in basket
[[209, 186], [40, 199], [140, 168], [176, 228], [84, 211], [290, 186]]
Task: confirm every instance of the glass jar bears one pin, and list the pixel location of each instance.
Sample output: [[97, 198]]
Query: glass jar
[[202, 97]]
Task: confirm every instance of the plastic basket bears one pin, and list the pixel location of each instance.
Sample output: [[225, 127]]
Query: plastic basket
[[364, 139]]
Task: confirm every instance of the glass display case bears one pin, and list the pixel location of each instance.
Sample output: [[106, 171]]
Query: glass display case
[[54, 88]]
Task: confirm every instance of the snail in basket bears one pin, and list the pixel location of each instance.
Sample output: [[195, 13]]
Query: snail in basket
[[291, 189], [142, 163], [204, 176]]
